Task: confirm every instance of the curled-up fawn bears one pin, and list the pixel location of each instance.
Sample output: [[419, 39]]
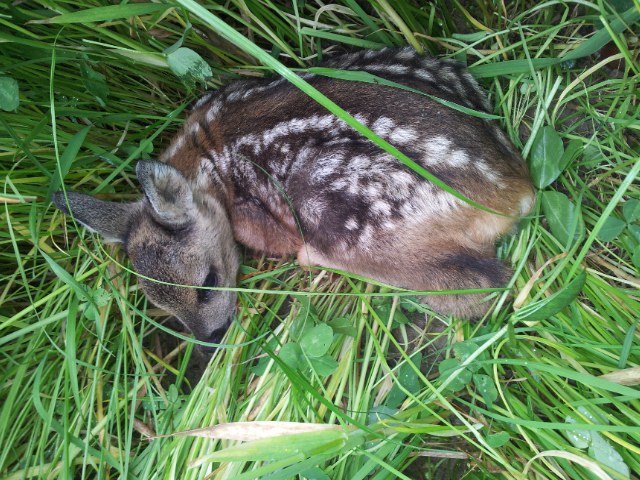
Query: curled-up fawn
[[260, 163]]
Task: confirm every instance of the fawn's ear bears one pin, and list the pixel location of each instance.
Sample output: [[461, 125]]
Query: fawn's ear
[[168, 192], [109, 219]]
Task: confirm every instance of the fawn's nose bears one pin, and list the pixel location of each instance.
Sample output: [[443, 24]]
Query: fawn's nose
[[213, 339]]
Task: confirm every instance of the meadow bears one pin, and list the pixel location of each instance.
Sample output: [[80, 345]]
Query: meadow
[[322, 375]]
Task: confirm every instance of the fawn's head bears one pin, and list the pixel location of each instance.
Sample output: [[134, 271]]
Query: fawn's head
[[176, 237]]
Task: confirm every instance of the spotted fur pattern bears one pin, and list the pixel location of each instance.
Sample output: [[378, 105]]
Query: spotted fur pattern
[[291, 178], [265, 147]]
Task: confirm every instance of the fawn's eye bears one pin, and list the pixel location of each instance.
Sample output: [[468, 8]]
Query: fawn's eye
[[211, 281]]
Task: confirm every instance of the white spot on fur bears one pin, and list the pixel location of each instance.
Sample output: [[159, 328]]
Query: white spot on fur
[[383, 125], [340, 184], [224, 160], [366, 237], [403, 135], [351, 224], [194, 128], [296, 126], [213, 111], [396, 69], [234, 96], [312, 210], [424, 75], [202, 100], [327, 166], [280, 130], [436, 149], [400, 182], [207, 175], [381, 207], [487, 172], [372, 192], [428, 200], [458, 158], [406, 54], [361, 118], [170, 152], [359, 164]]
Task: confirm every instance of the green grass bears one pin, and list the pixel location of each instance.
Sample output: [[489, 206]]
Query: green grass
[[87, 371]]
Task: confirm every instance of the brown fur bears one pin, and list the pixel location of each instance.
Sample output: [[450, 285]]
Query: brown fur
[[261, 163]]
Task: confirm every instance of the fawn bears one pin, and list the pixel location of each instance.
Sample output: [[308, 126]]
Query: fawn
[[260, 163]]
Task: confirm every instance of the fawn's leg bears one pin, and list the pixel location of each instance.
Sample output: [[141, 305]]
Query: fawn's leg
[[461, 271], [456, 270]]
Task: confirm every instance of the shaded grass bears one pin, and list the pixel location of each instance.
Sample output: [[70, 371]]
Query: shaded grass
[[85, 374]]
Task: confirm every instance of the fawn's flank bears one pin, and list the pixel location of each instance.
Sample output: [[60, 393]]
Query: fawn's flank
[[260, 163]]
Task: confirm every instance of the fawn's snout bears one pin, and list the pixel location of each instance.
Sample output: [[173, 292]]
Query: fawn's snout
[[179, 242]]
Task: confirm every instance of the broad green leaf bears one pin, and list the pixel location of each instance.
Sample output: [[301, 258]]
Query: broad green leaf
[[599, 447], [570, 153], [407, 375], [343, 326], [546, 154], [9, 94], [486, 387], [579, 438], [95, 83], [564, 220], [189, 65], [324, 366], [315, 473], [316, 342], [450, 367], [91, 312], [307, 443], [291, 354], [631, 210], [408, 379], [106, 14], [261, 366], [636, 256], [611, 229], [380, 413], [554, 303], [602, 450], [497, 440], [470, 37], [411, 304], [635, 231], [101, 296], [306, 318], [464, 350]]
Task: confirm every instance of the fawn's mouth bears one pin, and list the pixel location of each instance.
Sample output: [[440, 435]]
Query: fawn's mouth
[[215, 337]]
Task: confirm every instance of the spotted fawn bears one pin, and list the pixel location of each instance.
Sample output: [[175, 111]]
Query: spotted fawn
[[260, 163]]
